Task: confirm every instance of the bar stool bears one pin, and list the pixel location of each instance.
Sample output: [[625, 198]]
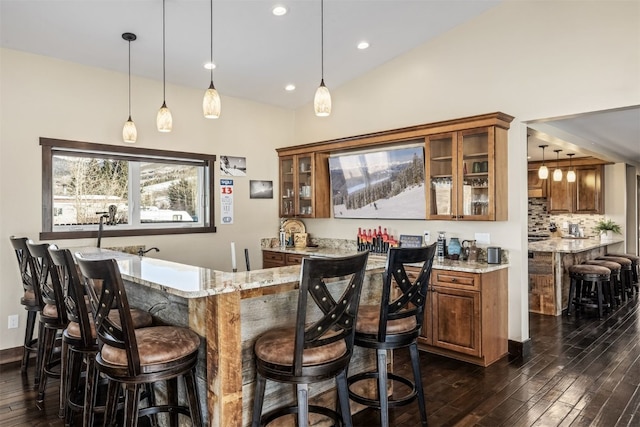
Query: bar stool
[[79, 343], [581, 295], [626, 273], [395, 323], [30, 299], [635, 268], [137, 357], [317, 347], [615, 286], [53, 317]]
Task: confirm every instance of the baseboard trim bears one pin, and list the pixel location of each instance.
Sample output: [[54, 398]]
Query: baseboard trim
[[519, 349], [10, 355]]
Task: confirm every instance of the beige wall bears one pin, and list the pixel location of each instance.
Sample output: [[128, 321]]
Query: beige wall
[[529, 59], [51, 98]]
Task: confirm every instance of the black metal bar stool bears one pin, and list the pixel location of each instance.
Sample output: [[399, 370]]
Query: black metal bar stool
[[133, 358], [319, 346], [31, 299], [615, 285], [395, 323], [53, 317], [626, 273], [586, 289], [635, 268]]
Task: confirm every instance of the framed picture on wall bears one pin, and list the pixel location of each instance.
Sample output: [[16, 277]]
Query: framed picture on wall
[[260, 189], [233, 166]]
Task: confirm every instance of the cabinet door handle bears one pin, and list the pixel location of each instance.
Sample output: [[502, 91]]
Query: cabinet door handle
[[453, 279]]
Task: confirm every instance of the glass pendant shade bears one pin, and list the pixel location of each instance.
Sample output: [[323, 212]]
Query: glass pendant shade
[[557, 174], [571, 176], [164, 121], [543, 172], [129, 131], [322, 101], [211, 103]]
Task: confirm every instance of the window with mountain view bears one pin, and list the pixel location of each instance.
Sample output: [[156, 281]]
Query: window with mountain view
[[129, 190]]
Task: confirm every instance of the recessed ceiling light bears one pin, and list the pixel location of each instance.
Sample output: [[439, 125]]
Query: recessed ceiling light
[[363, 45], [290, 87], [279, 10], [210, 66]]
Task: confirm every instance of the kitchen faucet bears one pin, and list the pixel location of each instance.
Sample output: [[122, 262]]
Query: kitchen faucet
[[111, 216], [141, 251]]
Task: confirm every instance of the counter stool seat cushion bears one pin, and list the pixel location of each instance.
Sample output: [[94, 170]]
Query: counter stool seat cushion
[[613, 266], [277, 346], [630, 257], [586, 269], [153, 348], [369, 322], [624, 262], [29, 298]]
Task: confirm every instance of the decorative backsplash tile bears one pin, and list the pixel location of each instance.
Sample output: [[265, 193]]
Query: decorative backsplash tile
[[539, 219]]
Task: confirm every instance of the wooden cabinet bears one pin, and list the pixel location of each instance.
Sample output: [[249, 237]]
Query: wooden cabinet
[[304, 186], [466, 316], [536, 187], [585, 195], [271, 259], [467, 173]]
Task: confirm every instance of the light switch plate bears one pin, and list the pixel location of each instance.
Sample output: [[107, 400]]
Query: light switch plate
[[483, 238], [12, 321]]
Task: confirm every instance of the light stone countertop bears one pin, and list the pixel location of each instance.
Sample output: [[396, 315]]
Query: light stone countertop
[[469, 267], [559, 244], [190, 281]]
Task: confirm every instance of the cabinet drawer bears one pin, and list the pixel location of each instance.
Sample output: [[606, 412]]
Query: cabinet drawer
[[272, 259], [294, 259], [456, 279]]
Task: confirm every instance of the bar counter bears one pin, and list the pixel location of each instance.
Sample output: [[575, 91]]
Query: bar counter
[[228, 310], [549, 261]]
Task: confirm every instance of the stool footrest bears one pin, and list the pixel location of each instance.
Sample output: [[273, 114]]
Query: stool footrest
[[375, 403], [269, 417]]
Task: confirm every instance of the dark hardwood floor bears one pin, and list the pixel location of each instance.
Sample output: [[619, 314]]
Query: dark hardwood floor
[[582, 372]]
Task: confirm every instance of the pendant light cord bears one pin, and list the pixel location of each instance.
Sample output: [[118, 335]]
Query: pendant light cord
[[164, 79], [211, 12], [129, 79], [322, 39]]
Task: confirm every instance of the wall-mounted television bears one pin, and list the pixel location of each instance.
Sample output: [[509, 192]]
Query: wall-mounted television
[[386, 183]]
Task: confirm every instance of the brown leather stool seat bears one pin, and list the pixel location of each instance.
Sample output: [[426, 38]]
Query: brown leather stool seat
[[626, 273], [615, 287], [30, 298], [580, 294], [635, 268], [136, 358], [395, 322], [319, 345]]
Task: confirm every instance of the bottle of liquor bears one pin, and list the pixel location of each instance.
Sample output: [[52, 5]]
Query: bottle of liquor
[[359, 239]]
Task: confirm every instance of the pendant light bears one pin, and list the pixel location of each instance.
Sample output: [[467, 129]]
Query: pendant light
[[571, 175], [164, 121], [557, 173], [211, 100], [129, 131], [543, 172], [322, 100]]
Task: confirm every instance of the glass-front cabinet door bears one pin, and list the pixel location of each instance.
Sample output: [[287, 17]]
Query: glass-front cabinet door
[[304, 197], [296, 190], [441, 165], [475, 160]]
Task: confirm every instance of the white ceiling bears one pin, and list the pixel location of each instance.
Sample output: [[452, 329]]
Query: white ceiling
[[257, 53]]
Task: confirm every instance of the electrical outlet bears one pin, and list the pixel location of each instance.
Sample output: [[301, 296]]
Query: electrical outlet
[[483, 238], [13, 321], [427, 237]]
